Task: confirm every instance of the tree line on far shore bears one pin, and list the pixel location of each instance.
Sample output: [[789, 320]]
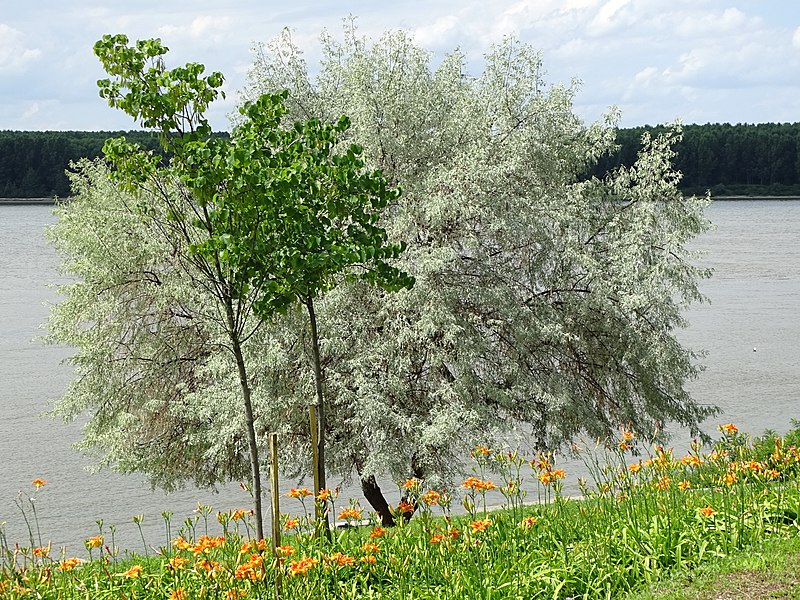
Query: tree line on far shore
[[743, 159], [729, 160]]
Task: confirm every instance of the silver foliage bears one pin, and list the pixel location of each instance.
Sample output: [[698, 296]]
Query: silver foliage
[[542, 297]]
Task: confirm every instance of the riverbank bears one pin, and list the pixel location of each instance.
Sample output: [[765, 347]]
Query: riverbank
[[650, 520]]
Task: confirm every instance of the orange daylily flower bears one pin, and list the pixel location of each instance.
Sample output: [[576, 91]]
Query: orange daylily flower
[[94, 542], [431, 497], [176, 563], [211, 567], [707, 511], [663, 483], [405, 507], [134, 572], [350, 513], [69, 563], [371, 548], [378, 532], [302, 492], [729, 479], [206, 543], [181, 543], [303, 566], [342, 560], [478, 485], [177, 594], [239, 514], [691, 460], [480, 526], [529, 522]]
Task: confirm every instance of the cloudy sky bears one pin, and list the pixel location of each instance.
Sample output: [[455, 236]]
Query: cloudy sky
[[699, 61]]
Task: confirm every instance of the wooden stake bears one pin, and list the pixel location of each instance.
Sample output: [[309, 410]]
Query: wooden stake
[[276, 513]]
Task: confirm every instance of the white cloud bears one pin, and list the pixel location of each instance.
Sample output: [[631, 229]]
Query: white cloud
[[202, 27], [655, 58], [703, 24], [612, 16], [32, 109], [438, 34], [13, 53], [646, 76]]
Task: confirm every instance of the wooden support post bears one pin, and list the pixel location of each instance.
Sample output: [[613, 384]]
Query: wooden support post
[[276, 513]]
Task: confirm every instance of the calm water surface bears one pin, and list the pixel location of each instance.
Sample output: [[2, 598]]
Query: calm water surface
[[750, 329]]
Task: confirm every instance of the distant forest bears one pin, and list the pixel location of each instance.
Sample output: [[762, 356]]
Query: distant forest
[[727, 159]]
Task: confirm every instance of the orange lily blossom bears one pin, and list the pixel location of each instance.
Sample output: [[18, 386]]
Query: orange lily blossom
[[431, 497], [405, 507], [707, 511], [350, 514], [94, 542], [302, 492], [134, 572], [302, 566], [69, 563], [480, 526]]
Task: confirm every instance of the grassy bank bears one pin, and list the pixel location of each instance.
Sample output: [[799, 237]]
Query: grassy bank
[[768, 569], [648, 519]]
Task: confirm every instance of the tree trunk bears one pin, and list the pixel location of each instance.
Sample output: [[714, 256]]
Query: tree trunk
[[372, 492], [312, 317], [244, 382]]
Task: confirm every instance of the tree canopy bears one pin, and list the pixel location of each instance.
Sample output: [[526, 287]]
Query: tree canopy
[[543, 297]]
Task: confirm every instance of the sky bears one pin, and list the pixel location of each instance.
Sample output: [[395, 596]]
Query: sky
[[658, 61]]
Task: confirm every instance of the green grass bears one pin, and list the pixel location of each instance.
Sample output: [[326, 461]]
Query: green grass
[[769, 569], [721, 522]]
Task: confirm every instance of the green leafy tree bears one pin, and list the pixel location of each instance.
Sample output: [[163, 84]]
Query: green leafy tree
[[544, 299], [253, 222], [319, 223]]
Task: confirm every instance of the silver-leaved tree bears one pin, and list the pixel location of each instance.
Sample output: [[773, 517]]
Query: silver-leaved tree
[[543, 297]]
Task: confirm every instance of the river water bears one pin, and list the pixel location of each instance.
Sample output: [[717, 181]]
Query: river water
[[750, 329]]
